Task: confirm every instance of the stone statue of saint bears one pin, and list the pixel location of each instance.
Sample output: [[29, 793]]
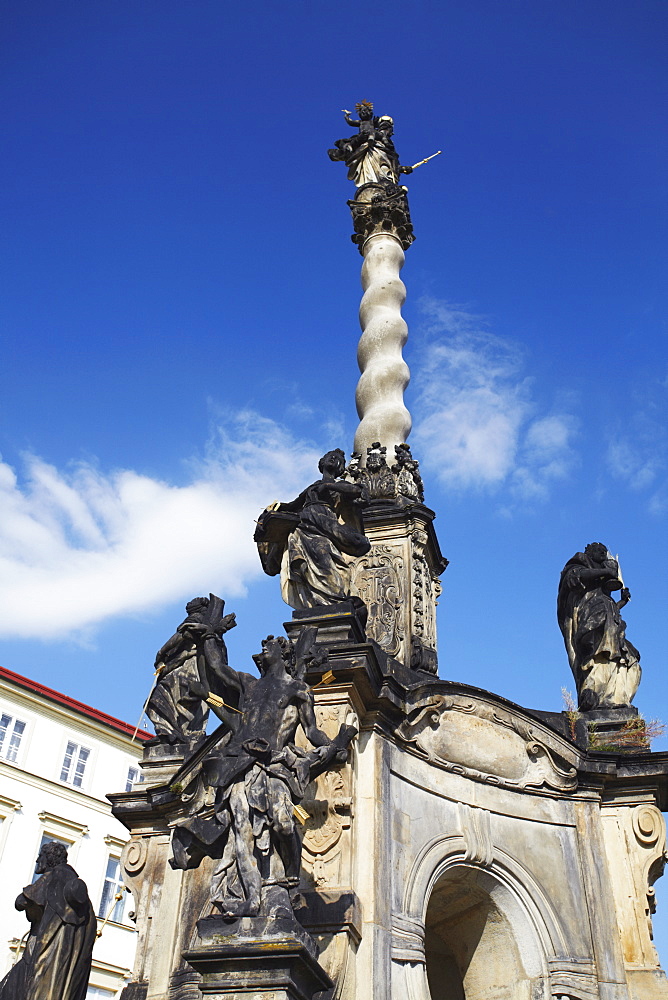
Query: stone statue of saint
[[313, 540], [605, 664], [242, 799], [370, 154], [189, 668], [57, 958]]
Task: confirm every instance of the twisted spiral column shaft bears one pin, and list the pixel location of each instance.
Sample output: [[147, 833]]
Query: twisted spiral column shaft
[[385, 374]]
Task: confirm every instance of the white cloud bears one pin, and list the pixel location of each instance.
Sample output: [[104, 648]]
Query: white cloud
[[81, 546], [637, 452], [477, 425], [629, 461]]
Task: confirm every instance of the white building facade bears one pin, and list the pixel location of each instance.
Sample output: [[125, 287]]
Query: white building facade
[[58, 760]]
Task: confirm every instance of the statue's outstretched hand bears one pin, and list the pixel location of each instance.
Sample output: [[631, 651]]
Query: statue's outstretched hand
[[344, 737]]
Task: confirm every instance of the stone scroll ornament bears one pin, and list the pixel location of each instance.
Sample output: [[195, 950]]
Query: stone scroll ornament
[[189, 673], [57, 958], [606, 666], [313, 540], [243, 797]]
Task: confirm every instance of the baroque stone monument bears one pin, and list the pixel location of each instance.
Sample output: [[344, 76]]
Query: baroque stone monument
[[357, 827]]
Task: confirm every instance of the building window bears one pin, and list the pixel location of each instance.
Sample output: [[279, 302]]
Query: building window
[[95, 991], [11, 732], [74, 764], [134, 775], [113, 883]]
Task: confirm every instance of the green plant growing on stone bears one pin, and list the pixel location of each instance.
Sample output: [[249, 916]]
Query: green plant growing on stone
[[571, 711]]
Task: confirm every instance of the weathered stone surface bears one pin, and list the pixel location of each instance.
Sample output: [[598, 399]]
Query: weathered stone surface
[[189, 674], [242, 796], [485, 742], [370, 154], [266, 958], [605, 664], [313, 540], [381, 208], [465, 836], [57, 959], [384, 373], [399, 581]]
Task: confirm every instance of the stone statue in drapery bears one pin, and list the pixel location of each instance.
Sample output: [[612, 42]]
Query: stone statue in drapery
[[57, 958], [242, 798], [189, 673], [605, 664], [370, 154], [313, 540]]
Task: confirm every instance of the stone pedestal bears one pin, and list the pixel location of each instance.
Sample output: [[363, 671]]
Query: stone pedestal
[[262, 958], [606, 727], [162, 761], [336, 623], [399, 581]]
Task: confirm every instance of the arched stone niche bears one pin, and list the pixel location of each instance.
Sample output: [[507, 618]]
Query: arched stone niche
[[475, 930], [472, 951]]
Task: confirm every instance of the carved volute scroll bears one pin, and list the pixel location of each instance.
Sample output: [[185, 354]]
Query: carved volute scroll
[[649, 828]]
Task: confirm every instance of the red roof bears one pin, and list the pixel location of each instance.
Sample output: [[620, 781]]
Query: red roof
[[76, 706]]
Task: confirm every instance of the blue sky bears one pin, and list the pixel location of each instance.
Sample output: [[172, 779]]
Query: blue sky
[[179, 316]]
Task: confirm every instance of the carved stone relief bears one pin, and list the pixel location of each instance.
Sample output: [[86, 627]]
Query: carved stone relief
[[377, 580], [326, 832], [426, 589], [485, 743], [329, 816], [400, 482]]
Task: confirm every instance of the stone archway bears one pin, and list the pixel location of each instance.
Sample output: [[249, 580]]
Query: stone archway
[[472, 951]]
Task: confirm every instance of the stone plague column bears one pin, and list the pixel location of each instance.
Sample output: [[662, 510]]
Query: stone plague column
[[398, 580]]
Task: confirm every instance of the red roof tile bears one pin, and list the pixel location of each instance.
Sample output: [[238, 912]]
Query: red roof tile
[[72, 703]]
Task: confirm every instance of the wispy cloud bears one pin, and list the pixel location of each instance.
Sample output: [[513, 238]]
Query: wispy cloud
[[478, 425], [80, 546], [637, 452]]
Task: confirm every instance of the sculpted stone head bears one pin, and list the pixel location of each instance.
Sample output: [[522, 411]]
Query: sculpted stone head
[[597, 551], [276, 650], [197, 604], [334, 462], [364, 110], [51, 855]]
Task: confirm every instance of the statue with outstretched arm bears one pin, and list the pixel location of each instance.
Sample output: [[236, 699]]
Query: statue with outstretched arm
[[257, 777]]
